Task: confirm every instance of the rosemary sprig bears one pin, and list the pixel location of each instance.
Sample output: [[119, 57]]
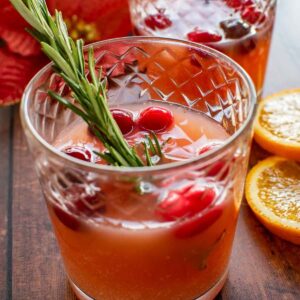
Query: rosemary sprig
[[89, 95]]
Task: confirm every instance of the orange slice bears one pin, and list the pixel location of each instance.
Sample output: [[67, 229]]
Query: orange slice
[[273, 193], [277, 124]]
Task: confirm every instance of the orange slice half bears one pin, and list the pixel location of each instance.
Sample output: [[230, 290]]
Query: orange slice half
[[277, 124], [273, 193]]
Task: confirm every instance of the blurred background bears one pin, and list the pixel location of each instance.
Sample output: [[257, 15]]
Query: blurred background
[[20, 55]]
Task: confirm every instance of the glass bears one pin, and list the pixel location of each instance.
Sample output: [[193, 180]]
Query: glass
[[125, 255], [241, 29]]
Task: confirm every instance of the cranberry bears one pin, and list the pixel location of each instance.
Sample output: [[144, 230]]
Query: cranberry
[[159, 20], [155, 118], [235, 28], [248, 3], [190, 228], [78, 206], [185, 203], [252, 15], [124, 120], [234, 3], [202, 36], [66, 217], [79, 152], [217, 167]]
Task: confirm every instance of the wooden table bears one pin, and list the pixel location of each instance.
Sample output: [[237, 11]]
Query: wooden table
[[262, 265]]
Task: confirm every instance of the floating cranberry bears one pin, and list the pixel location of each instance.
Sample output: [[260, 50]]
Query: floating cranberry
[[124, 120], [190, 228], [79, 152], [186, 203], [234, 3], [202, 36], [248, 3], [66, 217], [158, 21], [174, 206], [81, 205], [217, 167], [234, 28], [252, 15], [155, 118]]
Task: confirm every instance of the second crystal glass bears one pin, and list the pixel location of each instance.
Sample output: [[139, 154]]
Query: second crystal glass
[[241, 29], [108, 220]]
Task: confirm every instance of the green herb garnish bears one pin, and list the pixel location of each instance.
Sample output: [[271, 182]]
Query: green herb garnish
[[89, 94]]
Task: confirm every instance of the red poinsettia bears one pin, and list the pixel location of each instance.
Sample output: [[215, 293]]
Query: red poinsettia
[[20, 55]]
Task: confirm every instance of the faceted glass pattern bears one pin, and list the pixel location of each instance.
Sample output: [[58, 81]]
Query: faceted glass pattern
[[138, 70]]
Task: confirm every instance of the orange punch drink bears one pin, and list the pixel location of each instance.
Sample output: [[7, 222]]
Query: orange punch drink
[[163, 231], [241, 29]]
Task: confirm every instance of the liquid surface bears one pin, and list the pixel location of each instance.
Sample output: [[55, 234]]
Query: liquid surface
[[184, 140], [166, 238]]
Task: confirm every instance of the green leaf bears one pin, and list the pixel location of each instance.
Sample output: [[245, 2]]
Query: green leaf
[[148, 158], [27, 15], [91, 61], [159, 151], [79, 45], [68, 104], [55, 56], [151, 145], [89, 95]]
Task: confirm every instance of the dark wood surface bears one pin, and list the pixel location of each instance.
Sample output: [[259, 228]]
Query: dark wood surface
[[262, 265]]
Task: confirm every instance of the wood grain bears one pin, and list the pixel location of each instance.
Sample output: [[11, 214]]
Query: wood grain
[[5, 197], [37, 267], [262, 265]]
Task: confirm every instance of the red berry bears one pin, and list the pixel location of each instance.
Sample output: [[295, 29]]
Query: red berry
[[217, 167], [79, 205], [252, 15], [159, 20], [234, 3], [124, 120], [66, 217], [155, 118], [185, 202], [190, 228], [174, 206], [201, 36], [200, 198], [248, 3], [79, 152]]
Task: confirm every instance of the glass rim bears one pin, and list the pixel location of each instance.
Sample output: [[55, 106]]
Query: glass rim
[[145, 170]]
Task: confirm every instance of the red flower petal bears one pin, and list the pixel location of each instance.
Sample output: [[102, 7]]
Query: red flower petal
[[20, 42], [68, 7], [13, 33], [15, 73], [10, 18], [111, 17], [93, 10]]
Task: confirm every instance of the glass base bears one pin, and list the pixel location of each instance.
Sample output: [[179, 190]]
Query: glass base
[[209, 295]]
